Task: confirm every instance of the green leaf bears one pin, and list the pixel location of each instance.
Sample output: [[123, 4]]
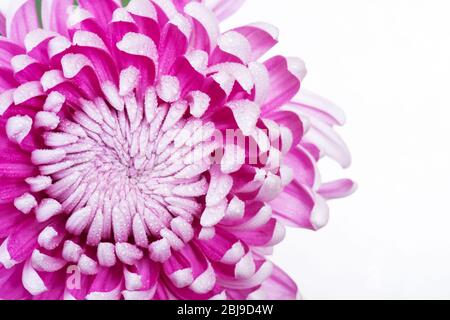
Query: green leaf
[[39, 11]]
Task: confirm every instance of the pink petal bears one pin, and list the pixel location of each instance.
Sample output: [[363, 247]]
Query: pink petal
[[145, 16], [9, 218], [2, 25], [286, 75], [102, 10], [262, 37], [8, 50], [54, 15], [328, 142], [174, 42], [224, 8], [23, 239], [303, 165], [223, 247], [279, 286], [294, 205], [313, 105], [21, 18], [292, 121], [55, 283], [107, 284], [338, 189], [205, 31], [232, 47], [11, 287], [259, 236]]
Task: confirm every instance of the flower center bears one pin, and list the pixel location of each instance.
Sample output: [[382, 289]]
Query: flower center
[[124, 175]]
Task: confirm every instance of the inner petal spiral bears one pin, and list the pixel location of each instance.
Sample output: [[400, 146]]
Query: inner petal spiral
[[125, 176]]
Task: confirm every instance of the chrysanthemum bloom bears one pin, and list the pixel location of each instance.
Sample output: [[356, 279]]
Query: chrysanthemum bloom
[[112, 185]]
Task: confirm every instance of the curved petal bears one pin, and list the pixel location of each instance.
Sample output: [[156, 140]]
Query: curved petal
[[101, 9], [55, 14], [262, 37], [205, 31], [21, 18], [11, 287], [286, 75], [315, 106], [107, 284], [337, 189], [224, 8], [279, 286], [2, 25], [295, 205]]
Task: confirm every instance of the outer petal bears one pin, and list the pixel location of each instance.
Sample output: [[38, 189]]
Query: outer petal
[[224, 8], [262, 37], [54, 15], [310, 104], [295, 205], [101, 9], [286, 75], [21, 18], [205, 27], [337, 189], [279, 286], [2, 24]]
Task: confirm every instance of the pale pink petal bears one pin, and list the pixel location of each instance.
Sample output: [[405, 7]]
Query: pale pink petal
[[21, 18], [224, 8], [54, 15]]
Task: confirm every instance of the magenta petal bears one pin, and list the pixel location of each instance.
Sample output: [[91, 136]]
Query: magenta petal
[[122, 171], [189, 78], [8, 50], [205, 29], [107, 284], [286, 75], [174, 41], [11, 287], [55, 284], [2, 25], [259, 236], [7, 79], [222, 243], [23, 239], [12, 189], [9, 218], [102, 10], [292, 121], [148, 18], [294, 206], [303, 164]]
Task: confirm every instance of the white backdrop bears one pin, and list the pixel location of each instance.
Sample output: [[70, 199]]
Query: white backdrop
[[387, 63]]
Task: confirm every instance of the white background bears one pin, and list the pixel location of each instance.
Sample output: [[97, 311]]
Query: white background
[[387, 63]]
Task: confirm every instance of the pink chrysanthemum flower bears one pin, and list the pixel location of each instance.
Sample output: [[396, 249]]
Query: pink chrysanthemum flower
[[114, 183]]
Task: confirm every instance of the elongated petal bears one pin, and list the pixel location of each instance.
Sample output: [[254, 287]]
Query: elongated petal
[[21, 18], [224, 8], [55, 14]]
